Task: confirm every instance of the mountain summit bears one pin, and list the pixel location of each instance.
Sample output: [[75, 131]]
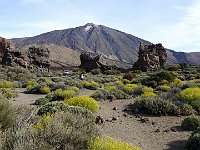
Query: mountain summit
[[99, 39]]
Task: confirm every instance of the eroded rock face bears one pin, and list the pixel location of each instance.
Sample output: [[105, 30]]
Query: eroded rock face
[[90, 61], [35, 57], [4, 46], [150, 57]]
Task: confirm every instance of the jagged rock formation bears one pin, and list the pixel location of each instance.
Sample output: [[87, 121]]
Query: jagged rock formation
[[90, 61], [34, 58], [150, 57], [5, 45]]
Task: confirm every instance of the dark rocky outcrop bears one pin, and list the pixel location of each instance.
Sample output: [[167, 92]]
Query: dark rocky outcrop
[[90, 61], [150, 57], [34, 58]]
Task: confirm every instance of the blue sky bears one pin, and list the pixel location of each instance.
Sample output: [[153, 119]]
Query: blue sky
[[175, 23]]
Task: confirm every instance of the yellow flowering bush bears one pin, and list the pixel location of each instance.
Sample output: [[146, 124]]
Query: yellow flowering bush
[[129, 88], [189, 95], [83, 101], [108, 143]]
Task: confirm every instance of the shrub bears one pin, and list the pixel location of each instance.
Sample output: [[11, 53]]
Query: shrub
[[110, 88], [101, 94], [96, 71], [8, 93], [154, 106], [41, 101], [196, 105], [75, 89], [147, 90], [83, 101], [63, 131], [108, 143], [189, 95], [91, 86], [193, 142], [129, 88], [7, 114], [164, 88], [119, 83], [6, 84], [191, 123], [129, 76], [119, 94], [177, 82], [148, 94], [111, 72], [186, 110], [45, 89], [126, 81], [173, 68], [66, 94]]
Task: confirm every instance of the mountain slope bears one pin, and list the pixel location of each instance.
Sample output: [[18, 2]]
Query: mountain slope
[[113, 44]]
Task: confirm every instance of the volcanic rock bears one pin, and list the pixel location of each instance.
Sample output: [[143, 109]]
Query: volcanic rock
[[90, 61], [150, 57]]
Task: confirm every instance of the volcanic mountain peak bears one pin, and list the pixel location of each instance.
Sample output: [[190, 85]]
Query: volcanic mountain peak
[[99, 39]]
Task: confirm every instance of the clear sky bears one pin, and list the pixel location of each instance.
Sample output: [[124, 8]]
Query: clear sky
[[175, 23]]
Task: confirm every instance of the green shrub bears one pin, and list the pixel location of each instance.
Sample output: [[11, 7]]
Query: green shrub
[[41, 101], [111, 72], [119, 83], [186, 110], [148, 94], [6, 84], [196, 105], [108, 143], [173, 68], [45, 89], [154, 106], [63, 131], [147, 90], [193, 142], [83, 101], [91, 86], [119, 94], [177, 82], [110, 88], [8, 93], [96, 71], [126, 81], [7, 114], [101, 94], [164, 88], [129, 88], [75, 89], [189, 95], [66, 94], [129, 76], [191, 123]]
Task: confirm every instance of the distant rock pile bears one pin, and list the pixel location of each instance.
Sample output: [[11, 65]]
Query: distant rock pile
[[35, 57], [150, 57], [90, 61]]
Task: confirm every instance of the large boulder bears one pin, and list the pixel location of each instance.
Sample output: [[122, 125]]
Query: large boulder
[[150, 57], [90, 61]]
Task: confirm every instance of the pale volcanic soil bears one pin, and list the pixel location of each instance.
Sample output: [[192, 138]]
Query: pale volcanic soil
[[159, 133]]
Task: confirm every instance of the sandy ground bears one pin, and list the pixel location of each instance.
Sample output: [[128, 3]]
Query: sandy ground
[[127, 127]]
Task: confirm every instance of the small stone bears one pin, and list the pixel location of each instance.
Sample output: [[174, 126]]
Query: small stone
[[173, 129], [114, 118], [166, 130], [109, 119], [100, 107], [144, 120], [125, 115], [157, 130], [114, 108], [153, 123]]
